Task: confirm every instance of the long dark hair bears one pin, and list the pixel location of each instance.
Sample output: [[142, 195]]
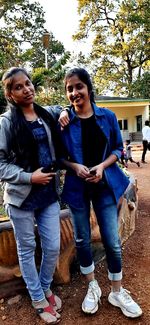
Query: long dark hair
[[84, 76], [23, 142]]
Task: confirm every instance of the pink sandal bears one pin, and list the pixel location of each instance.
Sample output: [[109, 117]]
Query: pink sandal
[[55, 301], [51, 311]]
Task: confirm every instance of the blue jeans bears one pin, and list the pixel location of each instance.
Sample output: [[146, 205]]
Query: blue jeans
[[107, 217], [48, 225]]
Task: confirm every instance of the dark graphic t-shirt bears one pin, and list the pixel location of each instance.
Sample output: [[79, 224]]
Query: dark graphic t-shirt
[[41, 195], [93, 142]]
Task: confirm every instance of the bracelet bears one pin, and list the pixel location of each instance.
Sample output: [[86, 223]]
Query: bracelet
[[65, 109]]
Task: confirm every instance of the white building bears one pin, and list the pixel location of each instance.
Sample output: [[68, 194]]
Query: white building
[[131, 114]]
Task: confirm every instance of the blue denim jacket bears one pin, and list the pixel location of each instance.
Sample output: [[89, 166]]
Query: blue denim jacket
[[71, 136]]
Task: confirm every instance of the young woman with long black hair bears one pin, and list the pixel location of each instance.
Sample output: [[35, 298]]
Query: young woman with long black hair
[[27, 138], [93, 143]]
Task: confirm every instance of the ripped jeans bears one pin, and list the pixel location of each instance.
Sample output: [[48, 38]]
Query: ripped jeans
[[105, 209]]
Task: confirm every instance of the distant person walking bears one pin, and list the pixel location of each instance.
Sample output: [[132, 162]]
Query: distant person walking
[[128, 154], [146, 140], [122, 159]]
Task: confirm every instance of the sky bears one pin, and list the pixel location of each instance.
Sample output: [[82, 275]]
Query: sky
[[62, 20]]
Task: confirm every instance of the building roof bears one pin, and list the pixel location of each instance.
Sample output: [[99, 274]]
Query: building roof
[[119, 99]]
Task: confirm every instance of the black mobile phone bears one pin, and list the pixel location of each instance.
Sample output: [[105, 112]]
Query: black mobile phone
[[50, 169], [93, 172]]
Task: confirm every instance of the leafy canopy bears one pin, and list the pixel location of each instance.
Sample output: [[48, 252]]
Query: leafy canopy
[[21, 44], [21, 35], [121, 41]]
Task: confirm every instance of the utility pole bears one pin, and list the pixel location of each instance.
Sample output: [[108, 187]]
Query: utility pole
[[46, 38]]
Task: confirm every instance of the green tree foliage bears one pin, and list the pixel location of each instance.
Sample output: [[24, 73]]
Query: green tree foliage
[[22, 24], [21, 44], [52, 80], [121, 41], [21, 35], [141, 87], [2, 99]]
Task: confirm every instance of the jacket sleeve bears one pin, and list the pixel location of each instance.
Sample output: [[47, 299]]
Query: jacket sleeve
[[116, 138], [9, 172], [54, 111]]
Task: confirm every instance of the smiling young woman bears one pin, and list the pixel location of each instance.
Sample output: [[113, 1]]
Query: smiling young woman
[[79, 96], [27, 133], [92, 139]]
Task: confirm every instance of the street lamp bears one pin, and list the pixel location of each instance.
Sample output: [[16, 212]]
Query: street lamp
[[46, 38]]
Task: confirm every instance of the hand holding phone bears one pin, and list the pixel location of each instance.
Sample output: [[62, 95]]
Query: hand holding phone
[[93, 172], [49, 169]]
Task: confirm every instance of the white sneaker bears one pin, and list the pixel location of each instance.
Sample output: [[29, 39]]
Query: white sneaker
[[123, 300], [92, 298]]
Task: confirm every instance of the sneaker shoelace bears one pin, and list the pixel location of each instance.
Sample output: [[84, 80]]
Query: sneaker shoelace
[[92, 292], [126, 298]]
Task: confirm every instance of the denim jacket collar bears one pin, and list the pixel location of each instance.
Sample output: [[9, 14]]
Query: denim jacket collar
[[97, 112]]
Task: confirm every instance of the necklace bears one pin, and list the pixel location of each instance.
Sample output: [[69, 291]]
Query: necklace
[[39, 121], [36, 119]]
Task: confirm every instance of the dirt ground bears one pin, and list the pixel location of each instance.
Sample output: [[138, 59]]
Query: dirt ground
[[136, 271]]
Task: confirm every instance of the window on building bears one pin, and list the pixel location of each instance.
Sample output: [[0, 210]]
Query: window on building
[[120, 124], [139, 123], [123, 124]]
